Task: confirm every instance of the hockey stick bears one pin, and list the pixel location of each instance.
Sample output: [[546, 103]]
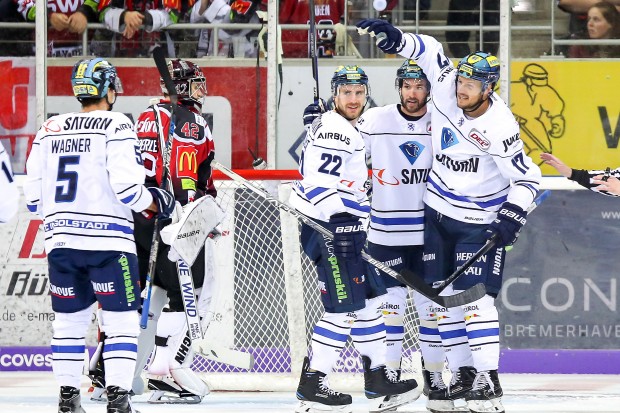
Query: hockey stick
[[412, 280], [165, 147], [313, 56], [490, 244]]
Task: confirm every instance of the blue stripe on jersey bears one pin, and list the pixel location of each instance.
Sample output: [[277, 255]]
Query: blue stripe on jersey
[[128, 199], [397, 221], [394, 329], [366, 331], [481, 204], [421, 43], [120, 347], [487, 332], [315, 192], [453, 334], [330, 334], [429, 331], [32, 208], [354, 205], [68, 349], [94, 225]]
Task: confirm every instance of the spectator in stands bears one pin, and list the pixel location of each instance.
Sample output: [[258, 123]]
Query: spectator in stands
[[126, 18], [295, 42], [9, 43], [603, 23], [232, 43], [466, 13], [578, 10], [65, 27]]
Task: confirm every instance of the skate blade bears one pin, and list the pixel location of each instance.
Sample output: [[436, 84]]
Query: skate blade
[[486, 406], [314, 407], [162, 397], [98, 394], [391, 403], [444, 406]]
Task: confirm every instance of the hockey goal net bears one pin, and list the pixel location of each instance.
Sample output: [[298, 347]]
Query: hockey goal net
[[266, 293]]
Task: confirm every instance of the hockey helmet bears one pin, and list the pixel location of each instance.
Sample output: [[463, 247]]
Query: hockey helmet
[[410, 70], [349, 75], [91, 79], [184, 75], [480, 66]]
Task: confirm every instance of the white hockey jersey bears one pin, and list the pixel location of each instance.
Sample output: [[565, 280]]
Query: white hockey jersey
[[478, 163], [333, 166], [402, 154], [85, 175], [10, 195]]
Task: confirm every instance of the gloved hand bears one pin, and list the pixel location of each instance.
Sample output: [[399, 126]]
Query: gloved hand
[[507, 225], [389, 38], [313, 111], [165, 202], [349, 235]]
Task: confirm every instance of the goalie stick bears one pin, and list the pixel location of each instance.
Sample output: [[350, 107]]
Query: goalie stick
[[439, 287], [165, 147], [412, 280]]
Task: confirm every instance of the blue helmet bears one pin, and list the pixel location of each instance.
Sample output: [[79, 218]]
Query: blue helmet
[[349, 75], [480, 66], [91, 79], [410, 70]]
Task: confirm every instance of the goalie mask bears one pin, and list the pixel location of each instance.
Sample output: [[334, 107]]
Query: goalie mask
[[189, 82], [480, 66], [92, 78]]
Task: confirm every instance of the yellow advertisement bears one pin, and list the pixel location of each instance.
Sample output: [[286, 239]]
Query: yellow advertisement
[[571, 109]]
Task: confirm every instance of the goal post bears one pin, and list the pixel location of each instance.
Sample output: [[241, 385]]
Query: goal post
[[267, 296]]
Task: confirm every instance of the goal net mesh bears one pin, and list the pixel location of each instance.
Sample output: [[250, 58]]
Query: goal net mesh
[[266, 294]]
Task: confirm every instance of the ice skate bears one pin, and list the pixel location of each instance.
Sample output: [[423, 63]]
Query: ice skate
[[485, 395], [385, 390], [437, 393], [461, 383], [166, 391], [69, 400], [119, 401], [316, 396]]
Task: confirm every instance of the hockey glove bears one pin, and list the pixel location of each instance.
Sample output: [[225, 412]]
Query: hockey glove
[[165, 202], [313, 111], [507, 225], [349, 235], [389, 38]]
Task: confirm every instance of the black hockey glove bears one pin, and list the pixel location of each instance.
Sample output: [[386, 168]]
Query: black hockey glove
[[165, 202], [349, 235], [389, 38], [313, 111], [507, 225]]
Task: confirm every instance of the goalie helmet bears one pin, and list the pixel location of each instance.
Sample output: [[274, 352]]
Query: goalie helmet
[[480, 66], [91, 79], [349, 75], [410, 70], [185, 75]]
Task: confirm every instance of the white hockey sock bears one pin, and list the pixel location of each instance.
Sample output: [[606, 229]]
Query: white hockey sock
[[451, 325], [368, 333], [328, 339], [430, 341], [393, 305], [120, 347], [482, 323], [68, 346]]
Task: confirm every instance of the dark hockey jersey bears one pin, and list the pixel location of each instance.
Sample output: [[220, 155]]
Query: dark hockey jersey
[[191, 153]]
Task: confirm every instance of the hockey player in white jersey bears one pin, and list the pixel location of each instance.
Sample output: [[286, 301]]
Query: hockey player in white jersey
[[398, 142], [85, 176], [333, 193], [8, 188], [479, 188]]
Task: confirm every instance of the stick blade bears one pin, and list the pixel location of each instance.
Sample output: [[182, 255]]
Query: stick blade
[[465, 297]]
